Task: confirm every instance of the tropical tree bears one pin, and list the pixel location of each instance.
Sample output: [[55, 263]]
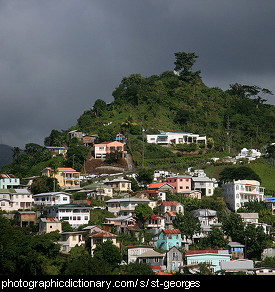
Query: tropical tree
[[108, 253], [187, 224], [143, 212], [99, 107], [215, 238], [241, 172], [145, 176], [255, 240], [45, 184], [183, 65], [233, 226]]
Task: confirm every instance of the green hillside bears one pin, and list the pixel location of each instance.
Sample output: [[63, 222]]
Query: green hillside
[[233, 118]]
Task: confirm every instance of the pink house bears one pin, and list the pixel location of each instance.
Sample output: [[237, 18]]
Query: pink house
[[181, 183], [107, 147]]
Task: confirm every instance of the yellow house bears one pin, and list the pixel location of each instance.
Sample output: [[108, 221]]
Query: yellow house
[[47, 225], [67, 177]]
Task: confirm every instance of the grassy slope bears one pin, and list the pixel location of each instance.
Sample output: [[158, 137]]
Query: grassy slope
[[265, 171]]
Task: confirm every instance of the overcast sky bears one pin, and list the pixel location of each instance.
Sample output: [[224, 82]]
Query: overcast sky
[[58, 56]]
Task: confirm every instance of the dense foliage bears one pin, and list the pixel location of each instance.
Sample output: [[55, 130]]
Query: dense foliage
[[232, 119]]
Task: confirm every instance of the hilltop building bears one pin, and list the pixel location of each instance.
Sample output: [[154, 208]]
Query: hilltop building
[[167, 138]]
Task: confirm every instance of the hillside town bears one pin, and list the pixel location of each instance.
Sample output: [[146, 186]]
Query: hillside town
[[175, 223]]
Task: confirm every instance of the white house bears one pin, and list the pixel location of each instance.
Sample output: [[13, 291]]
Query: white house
[[14, 199], [250, 154], [125, 206], [167, 206], [238, 192], [98, 190], [52, 198], [166, 138], [75, 214], [205, 185], [135, 251]]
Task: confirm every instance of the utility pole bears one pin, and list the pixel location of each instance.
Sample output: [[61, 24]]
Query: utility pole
[[142, 142], [142, 147], [228, 133], [257, 133]]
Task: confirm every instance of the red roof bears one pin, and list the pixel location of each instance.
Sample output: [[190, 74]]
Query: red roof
[[104, 234], [156, 185], [190, 252], [66, 169], [170, 203], [172, 213], [172, 231], [156, 217]]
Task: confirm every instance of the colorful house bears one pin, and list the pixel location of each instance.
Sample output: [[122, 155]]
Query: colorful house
[[104, 148], [181, 183], [67, 177], [9, 181], [211, 257], [47, 225], [169, 238]]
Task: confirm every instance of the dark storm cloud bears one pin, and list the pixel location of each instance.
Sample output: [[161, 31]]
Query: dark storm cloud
[[58, 56]]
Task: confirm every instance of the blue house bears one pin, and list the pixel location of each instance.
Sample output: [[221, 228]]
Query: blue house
[[9, 181], [169, 238], [212, 257]]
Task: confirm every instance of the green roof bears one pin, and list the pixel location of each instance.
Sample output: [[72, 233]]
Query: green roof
[[7, 191], [69, 206]]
